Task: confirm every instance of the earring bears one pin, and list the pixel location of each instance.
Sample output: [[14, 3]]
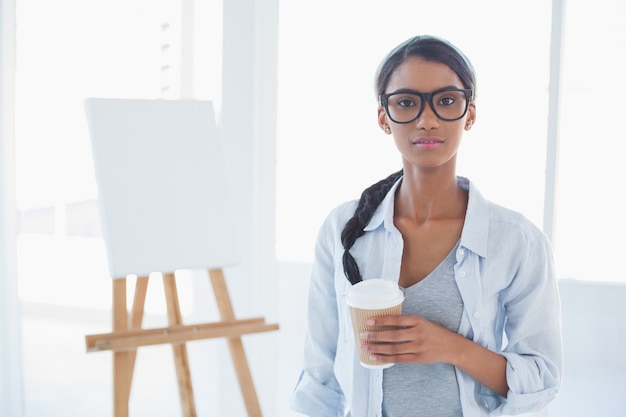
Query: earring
[[387, 130], [468, 125]]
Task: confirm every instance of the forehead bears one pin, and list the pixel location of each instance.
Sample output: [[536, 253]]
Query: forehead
[[422, 75]]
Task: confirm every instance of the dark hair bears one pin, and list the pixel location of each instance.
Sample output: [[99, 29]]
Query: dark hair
[[431, 49]]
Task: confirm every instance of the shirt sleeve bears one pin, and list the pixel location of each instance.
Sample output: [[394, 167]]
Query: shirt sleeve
[[533, 331], [317, 392]]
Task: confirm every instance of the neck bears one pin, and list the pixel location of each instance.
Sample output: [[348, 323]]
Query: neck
[[424, 196]]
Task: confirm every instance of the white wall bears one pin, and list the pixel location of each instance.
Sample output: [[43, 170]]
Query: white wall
[[594, 336], [10, 357], [278, 291], [248, 125]]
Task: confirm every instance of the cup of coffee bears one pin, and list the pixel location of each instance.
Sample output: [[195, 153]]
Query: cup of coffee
[[372, 298]]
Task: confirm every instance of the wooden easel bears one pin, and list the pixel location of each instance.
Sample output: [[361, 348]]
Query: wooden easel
[[164, 198], [128, 336]]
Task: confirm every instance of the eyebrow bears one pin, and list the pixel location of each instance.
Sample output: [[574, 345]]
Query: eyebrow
[[411, 91]]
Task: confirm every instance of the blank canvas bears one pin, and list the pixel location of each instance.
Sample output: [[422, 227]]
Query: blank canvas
[[163, 188]]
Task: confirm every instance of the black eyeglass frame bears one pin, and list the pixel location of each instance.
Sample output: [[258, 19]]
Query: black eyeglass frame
[[427, 97]]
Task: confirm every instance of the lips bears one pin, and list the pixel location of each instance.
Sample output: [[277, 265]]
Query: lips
[[426, 141]]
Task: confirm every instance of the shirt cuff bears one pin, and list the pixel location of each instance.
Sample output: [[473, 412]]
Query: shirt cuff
[[314, 399]]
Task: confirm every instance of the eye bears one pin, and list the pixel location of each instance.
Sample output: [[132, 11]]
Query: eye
[[404, 101], [446, 100], [449, 98]]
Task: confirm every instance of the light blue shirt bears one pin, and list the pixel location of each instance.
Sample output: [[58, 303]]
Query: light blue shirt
[[505, 273]]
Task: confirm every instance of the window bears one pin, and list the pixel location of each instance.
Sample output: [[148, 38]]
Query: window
[[69, 50], [56, 189], [329, 149], [590, 222], [101, 49], [324, 159]]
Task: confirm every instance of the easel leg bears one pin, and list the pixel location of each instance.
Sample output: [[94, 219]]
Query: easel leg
[[181, 359], [235, 345], [124, 362], [121, 360], [136, 315]]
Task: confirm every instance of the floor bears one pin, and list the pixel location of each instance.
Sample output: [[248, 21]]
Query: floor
[[62, 380]]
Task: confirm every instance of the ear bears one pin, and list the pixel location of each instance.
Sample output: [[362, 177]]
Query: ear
[[471, 116], [382, 120]]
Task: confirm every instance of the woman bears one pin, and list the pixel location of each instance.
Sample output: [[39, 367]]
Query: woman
[[480, 327]]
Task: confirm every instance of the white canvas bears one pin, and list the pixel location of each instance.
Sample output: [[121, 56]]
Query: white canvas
[[163, 188]]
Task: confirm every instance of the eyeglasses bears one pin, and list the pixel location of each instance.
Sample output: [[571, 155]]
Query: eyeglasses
[[448, 104]]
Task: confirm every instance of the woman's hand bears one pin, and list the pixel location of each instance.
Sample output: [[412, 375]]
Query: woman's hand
[[414, 339]]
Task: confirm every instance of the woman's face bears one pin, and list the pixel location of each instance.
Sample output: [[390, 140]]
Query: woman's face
[[427, 142]]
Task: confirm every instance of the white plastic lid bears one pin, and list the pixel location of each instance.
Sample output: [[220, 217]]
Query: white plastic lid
[[374, 294]]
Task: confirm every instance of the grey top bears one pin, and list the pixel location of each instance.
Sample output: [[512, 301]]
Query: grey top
[[429, 390]]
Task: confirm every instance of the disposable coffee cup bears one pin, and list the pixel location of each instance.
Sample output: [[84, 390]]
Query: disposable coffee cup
[[372, 298]]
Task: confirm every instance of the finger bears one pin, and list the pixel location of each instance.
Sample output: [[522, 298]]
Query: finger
[[396, 321], [389, 353], [388, 347], [381, 336], [404, 358]]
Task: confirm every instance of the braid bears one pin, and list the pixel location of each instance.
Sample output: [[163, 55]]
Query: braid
[[368, 203]]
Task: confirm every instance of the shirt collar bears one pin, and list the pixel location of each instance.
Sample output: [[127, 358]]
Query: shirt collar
[[475, 229], [384, 212]]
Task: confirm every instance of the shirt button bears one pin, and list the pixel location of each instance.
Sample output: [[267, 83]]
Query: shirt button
[[460, 252], [476, 314], [462, 274]]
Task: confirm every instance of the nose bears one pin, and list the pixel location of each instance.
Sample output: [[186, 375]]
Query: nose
[[427, 119]]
